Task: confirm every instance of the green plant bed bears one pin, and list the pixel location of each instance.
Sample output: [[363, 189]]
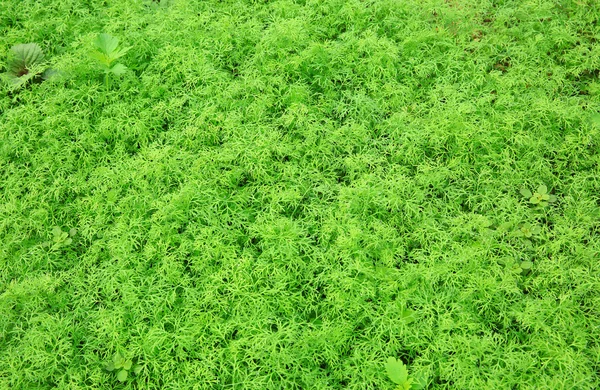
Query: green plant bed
[[300, 194]]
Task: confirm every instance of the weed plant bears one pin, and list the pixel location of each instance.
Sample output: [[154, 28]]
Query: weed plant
[[285, 194]]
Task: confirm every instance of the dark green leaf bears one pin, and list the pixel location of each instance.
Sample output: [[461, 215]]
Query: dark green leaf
[[24, 57]]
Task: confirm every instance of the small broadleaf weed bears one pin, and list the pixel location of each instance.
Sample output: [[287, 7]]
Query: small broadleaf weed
[[122, 366], [26, 63], [523, 267], [528, 233], [60, 238], [540, 197], [398, 373], [107, 53]]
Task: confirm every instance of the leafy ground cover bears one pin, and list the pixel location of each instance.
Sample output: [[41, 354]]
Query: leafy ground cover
[[289, 194]]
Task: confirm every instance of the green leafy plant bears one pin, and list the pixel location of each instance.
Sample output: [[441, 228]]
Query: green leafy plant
[[26, 63], [540, 197], [60, 238], [523, 267], [528, 233], [123, 367], [107, 53], [398, 373]]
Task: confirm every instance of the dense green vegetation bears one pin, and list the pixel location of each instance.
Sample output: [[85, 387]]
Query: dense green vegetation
[[286, 194]]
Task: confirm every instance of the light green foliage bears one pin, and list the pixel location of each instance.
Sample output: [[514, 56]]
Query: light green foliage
[[281, 194], [107, 53]]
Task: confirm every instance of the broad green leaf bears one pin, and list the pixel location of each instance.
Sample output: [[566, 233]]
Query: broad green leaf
[[122, 376], [542, 189], [102, 58], [72, 232], [127, 364], [110, 366], [536, 230], [404, 386], [118, 69], [420, 382], [526, 265], [396, 371], [505, 226], [51, 74], [552, 198], [118, 360], [119, 53], [56, 232], [526, 193], [106, 43], [24, 57], [11, 80], [137, 369], [407, 316], [485, 223]]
